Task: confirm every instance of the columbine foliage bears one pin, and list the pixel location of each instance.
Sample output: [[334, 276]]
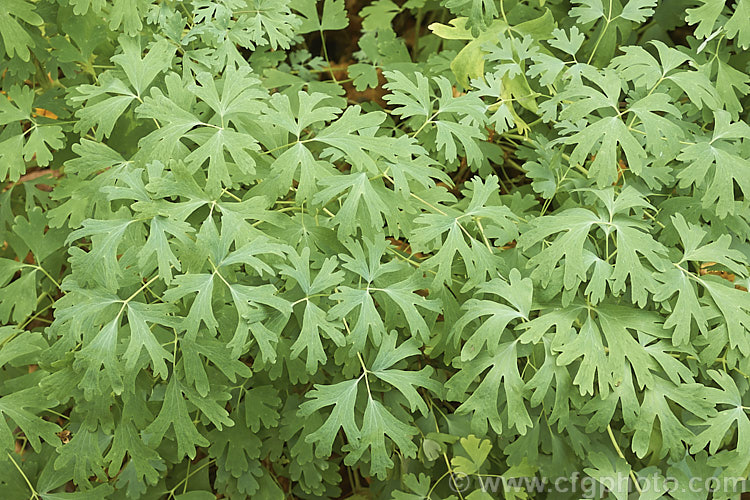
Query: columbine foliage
[[225, 270]]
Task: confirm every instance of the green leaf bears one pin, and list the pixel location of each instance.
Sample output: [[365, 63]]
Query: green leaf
[[108, 100], [378, 423], [144, 464], [477, 258], [352, 135], [695, 398], [106, 237], [333, 16], [342, 396], [687, 307], [237, 449], [707, 14], [141, 71], [478, 13], [21, 145], [404, 381], [20, 407], [714, 165], [610, 131], [567, 42], [20, 296], [588, 10], [478, 451], [404, 295], [576, 224], [33, 230], [611, 472], [364, 75], [469, 63], [268, 22], [378, 16], [201, 310], [139, 317], [733, 306], [314, 323], [517, 292], [158, 244], [261, 407], [101, 352], [174, 414], [638, 10], [364, 206], [16, 39], [484, 403], [85, 452], [724, 422], [224, 132]]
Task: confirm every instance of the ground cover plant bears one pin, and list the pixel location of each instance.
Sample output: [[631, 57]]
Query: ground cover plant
[[399, 249]]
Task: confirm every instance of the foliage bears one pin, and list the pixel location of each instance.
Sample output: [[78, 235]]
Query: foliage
[[512, 239]]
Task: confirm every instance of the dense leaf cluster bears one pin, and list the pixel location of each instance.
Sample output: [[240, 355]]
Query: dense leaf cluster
[[493, 238]]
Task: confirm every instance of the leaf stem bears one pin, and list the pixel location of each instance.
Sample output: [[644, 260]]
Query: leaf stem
[[40, 268], [601, 35], [34, 493], [619, 453]]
